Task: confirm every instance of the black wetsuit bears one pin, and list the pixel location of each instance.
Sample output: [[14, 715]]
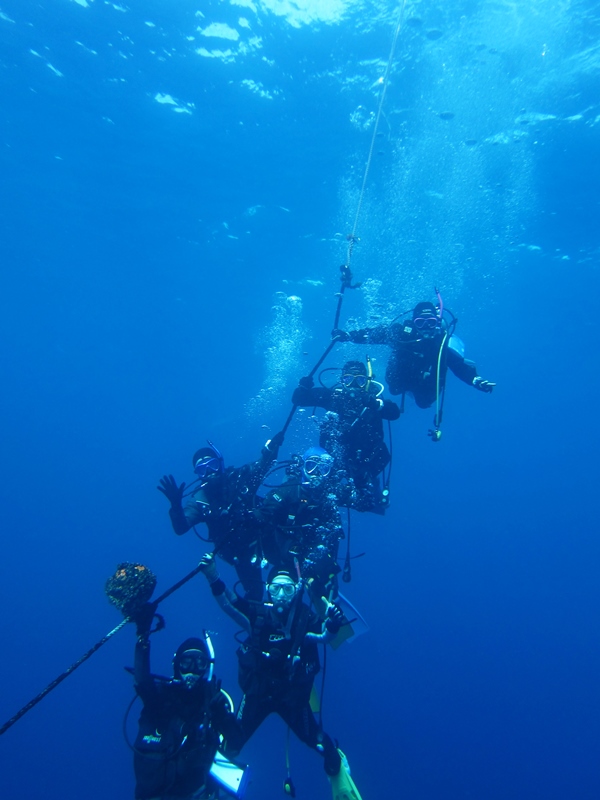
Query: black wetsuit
[[226, 502], [414, 359], [302, 524], [353, 433], [178, 733], [277, 667]]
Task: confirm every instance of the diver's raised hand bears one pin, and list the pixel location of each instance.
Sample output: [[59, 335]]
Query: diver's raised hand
[[143, 618], [208, 567], [173, 493], [276, 441], [335, 618], [307, 382]]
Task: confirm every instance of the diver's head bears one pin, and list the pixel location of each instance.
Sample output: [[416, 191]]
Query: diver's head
[[282, 589], [317, 464], [354, 375], [426, 319], [193, 661], [207, 461]]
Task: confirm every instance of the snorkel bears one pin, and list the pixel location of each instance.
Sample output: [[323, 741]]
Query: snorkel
[[440, 304], [211, 653], [369, 375], [218, 452]]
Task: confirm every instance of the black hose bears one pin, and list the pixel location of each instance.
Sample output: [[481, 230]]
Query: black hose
[[61, 677], [90, 653]]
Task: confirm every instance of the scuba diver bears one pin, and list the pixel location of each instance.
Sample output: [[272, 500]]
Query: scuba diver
[[300, 520], [184, 720], [352, 429], [423, 348], [225, 501], [278, 662]]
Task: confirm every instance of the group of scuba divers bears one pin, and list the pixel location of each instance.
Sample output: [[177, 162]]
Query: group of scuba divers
[[189, 733]]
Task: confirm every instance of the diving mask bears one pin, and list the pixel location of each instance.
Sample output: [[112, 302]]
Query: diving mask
[[206, 466], [426, 323], [318, 465], [350, 381]]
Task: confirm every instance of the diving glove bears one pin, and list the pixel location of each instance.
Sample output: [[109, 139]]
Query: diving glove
[[335, 619], [170, 489], [482, 385], [275, 442], [208, 568], [307, 382]]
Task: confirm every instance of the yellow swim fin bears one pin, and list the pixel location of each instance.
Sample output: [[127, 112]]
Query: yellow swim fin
[[342, 785]]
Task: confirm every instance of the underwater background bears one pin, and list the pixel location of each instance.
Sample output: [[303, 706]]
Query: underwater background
[[177, 183]]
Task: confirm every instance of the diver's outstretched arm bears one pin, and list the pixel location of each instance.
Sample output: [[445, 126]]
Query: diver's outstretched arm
[[224, 596]]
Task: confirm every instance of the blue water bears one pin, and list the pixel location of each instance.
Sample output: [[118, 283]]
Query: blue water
[[177, 183]]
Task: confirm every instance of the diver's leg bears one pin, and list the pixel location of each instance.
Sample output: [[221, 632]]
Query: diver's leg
[[253, 710], [295, 710]]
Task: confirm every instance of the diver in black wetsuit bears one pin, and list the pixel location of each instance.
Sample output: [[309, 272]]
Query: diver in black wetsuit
[[420, 347], [278, 662], [225, 501], [183, 722], [300, 520], [352, 430]]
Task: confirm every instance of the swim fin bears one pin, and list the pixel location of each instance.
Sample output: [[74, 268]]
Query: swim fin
[[342, 785]]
